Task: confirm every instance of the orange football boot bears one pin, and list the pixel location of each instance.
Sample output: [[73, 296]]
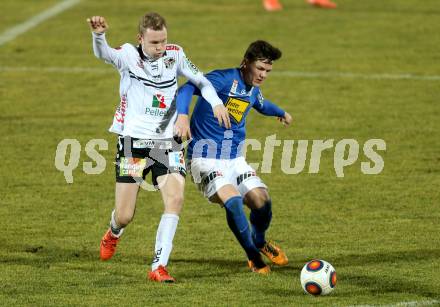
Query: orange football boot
[[108, 245], [161, 275], [326, 4], [272, 5], [264, 270], [274, 253], [257, 265]]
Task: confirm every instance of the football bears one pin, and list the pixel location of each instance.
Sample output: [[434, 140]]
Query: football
[[318, 277]]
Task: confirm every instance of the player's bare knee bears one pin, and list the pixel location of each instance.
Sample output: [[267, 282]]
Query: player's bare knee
[[264, 195], [256, 198], [215, 199], [174, 204], [124, 218]]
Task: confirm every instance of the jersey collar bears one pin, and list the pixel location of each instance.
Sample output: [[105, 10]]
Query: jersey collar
[[146, 57]]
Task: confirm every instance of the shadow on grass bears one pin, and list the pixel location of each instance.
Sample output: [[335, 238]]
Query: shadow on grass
[[41, 256], [45, 257]]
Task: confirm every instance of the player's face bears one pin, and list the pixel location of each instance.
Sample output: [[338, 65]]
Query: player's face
[[154, 42], [255, 73]]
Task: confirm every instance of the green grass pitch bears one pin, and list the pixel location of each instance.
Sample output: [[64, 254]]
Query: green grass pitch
[[380, 232]]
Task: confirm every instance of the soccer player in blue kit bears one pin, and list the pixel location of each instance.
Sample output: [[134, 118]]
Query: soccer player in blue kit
[[214, 154]]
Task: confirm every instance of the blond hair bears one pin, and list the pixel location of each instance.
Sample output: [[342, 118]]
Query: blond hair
[[152, 21]]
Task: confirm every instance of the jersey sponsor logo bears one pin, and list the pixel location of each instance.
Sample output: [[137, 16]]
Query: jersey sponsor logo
[[172, 47], [159, 101], [158, 106], [156, 112], [133, 167], [120, 111], [234, 86], [158, 144], [191, 66], [236, 108], [140, 144], [169, 63], [177, 161]]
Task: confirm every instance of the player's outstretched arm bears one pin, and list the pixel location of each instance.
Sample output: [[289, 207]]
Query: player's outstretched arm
[[207, 90], [101, 49], [97, 24], [286, 119], [268, 108]]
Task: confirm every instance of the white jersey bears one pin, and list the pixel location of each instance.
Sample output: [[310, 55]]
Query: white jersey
[[148, 88]]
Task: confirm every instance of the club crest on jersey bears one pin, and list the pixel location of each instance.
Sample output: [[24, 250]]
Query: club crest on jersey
[[236, 108], [234, 86], [169, 62]]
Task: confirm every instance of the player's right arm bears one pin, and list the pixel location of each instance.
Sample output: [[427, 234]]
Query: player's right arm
[[101, 49], [183, 101]]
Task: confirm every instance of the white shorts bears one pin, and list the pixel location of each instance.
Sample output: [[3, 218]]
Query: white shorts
[[212, 174]]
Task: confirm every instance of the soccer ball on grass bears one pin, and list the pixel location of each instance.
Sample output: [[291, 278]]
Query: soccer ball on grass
[[318, 277]]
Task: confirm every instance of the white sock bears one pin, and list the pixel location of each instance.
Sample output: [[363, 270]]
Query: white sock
[[164, 239], [115, 228]]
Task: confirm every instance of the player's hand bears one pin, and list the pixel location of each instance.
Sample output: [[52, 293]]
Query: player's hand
[[97, 24], [181, 127], [286, 119], [222, 115]]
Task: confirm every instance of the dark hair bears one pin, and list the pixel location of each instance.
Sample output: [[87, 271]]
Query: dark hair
[[151, 21], [262, 50]]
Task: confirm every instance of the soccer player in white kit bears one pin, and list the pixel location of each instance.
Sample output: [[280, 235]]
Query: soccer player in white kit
[[145, 124]]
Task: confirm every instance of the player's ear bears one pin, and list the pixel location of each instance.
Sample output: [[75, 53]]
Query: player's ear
[[243, 63], [140, 38]]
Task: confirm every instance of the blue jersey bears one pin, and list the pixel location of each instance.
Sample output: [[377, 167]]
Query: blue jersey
[[210, 140]]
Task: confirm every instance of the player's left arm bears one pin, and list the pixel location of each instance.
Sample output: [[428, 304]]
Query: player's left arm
[[268, 108], [193, 74]]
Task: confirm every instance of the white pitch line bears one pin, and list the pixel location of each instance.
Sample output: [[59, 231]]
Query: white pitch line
[[52, 69], [404, 304], [349, 75], [13, 32], [285, 73]]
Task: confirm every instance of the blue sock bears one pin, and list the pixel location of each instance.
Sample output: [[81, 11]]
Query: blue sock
[[238, 223], [260, 221]]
